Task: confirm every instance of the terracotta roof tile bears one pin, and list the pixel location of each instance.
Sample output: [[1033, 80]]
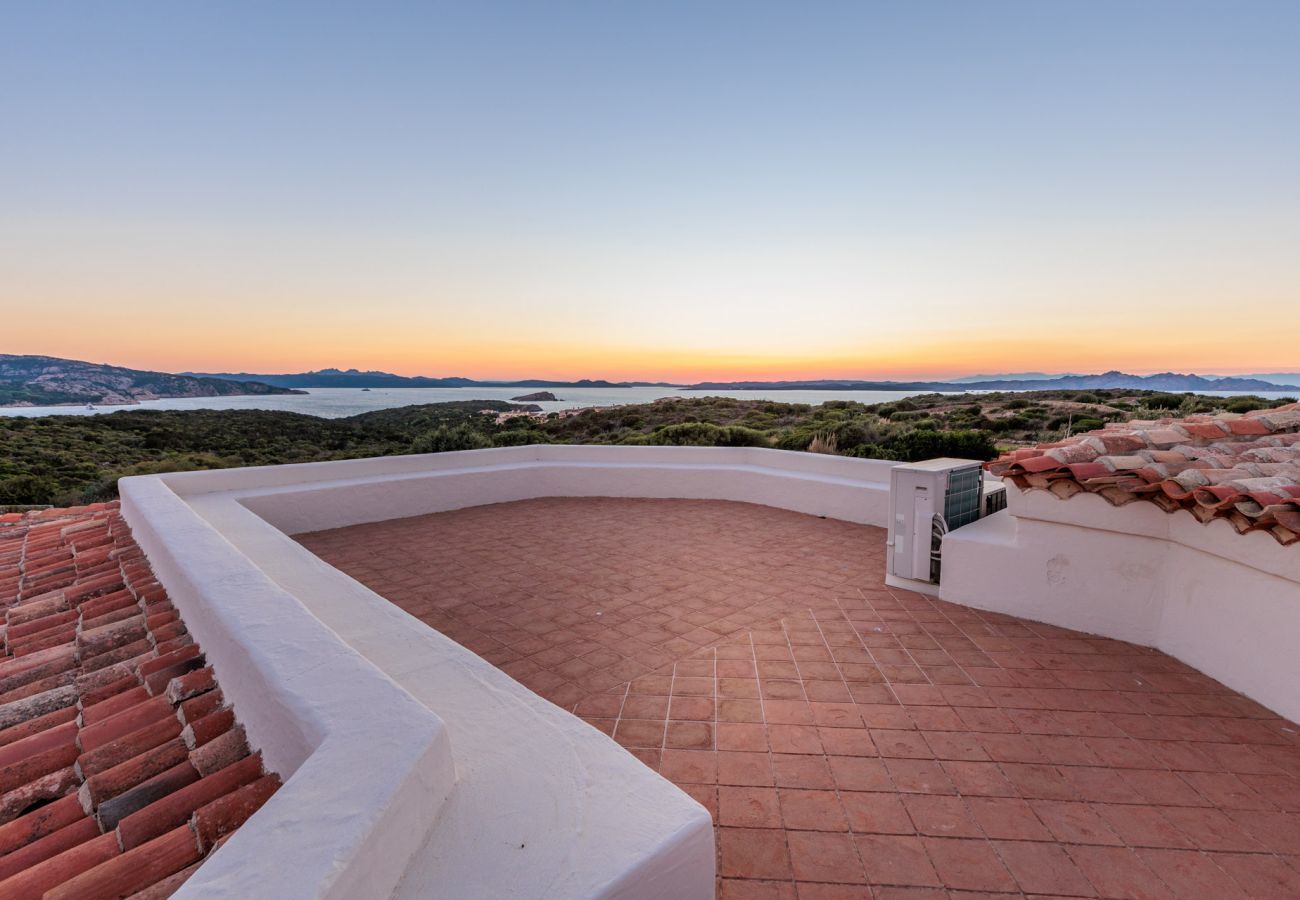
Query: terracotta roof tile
[[223, 815], [35, 880], [1242, 468], [134, 870], [181, 804], [52, 844], [120, 767]]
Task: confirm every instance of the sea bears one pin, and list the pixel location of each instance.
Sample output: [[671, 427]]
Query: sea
[[336, 403]]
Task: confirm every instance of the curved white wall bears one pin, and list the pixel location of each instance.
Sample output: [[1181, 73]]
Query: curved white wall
[[592, 821], [321, 714], [1225, 603], [317, 496], [588, 818]]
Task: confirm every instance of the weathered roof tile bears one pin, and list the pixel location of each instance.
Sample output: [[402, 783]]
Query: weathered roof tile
[[98, 680], [137, 868], [1242, 468]]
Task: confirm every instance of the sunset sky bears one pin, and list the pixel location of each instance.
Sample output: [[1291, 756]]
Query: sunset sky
[[653, 190]]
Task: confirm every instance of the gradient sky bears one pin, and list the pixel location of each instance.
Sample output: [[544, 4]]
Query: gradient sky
[[658, 190]]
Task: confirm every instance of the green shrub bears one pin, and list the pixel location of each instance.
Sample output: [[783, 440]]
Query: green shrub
[[1163, 401], [27, 490], [1246, 404], [912, 446], [454, 437], [704, 434], [518, 437], [795, 438]]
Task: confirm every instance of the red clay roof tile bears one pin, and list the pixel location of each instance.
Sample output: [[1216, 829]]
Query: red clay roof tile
[[52, 844], [146, 793], [1243, 468], [176, 808], [34, 881], [98, 677], [137, 868], [223, 815]]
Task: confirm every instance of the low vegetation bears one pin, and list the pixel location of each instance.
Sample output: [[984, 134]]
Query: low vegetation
[[67, 460]]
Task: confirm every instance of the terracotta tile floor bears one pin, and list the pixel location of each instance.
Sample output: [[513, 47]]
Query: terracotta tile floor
[[849, 739]]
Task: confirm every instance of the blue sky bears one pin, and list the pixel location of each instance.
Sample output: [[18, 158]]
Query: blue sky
[[653, 189]]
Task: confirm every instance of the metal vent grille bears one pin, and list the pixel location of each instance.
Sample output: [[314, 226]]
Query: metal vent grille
[[937, 530], [995, 501], [961, 502]]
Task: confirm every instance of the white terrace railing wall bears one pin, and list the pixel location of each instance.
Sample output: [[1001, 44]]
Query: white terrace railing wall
[[400, 747]]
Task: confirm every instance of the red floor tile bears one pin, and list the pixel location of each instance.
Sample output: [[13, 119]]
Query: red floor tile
[[849, 738], [971, 865]]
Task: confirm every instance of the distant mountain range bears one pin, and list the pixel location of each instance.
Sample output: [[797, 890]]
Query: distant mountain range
[[1165, 381], [354, 378], [50, 381], [1287, 380], [1012, 376], [1018, 381], [1290, 379]]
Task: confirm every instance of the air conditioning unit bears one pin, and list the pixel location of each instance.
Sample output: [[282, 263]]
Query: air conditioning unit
[[926, 501], [995, 496]]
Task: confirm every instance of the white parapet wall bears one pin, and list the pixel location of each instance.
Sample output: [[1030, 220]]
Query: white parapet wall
[[413, 767], [320, 713], [317, 496], [1226, 603]]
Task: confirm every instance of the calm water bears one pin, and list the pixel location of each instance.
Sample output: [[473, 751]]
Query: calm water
[[333, 403]]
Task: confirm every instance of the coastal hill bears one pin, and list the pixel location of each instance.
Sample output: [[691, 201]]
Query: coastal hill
[[50, 381], [1165, 381], [354, 378]]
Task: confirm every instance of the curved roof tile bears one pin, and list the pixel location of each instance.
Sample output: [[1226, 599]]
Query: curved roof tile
[[1244, 468], [121, 767]]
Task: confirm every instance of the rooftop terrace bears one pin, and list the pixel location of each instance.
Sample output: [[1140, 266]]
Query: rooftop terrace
[[850, 739]]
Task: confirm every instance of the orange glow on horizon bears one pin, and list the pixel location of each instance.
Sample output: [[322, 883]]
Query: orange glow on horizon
[[222, 331], [937, 361]]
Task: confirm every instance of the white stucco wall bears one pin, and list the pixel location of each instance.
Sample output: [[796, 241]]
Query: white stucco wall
[[316, 496], [542, 804], [366, 767], [1227, 604]]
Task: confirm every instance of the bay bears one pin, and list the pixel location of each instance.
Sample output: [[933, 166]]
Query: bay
[[334, 403]]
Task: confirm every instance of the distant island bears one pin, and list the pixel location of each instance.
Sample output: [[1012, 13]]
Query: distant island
[[1165, 381], [50, 381], [539, 397], [355, 378]]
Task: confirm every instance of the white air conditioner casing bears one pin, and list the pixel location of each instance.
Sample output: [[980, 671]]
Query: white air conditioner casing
[[926, 500]]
